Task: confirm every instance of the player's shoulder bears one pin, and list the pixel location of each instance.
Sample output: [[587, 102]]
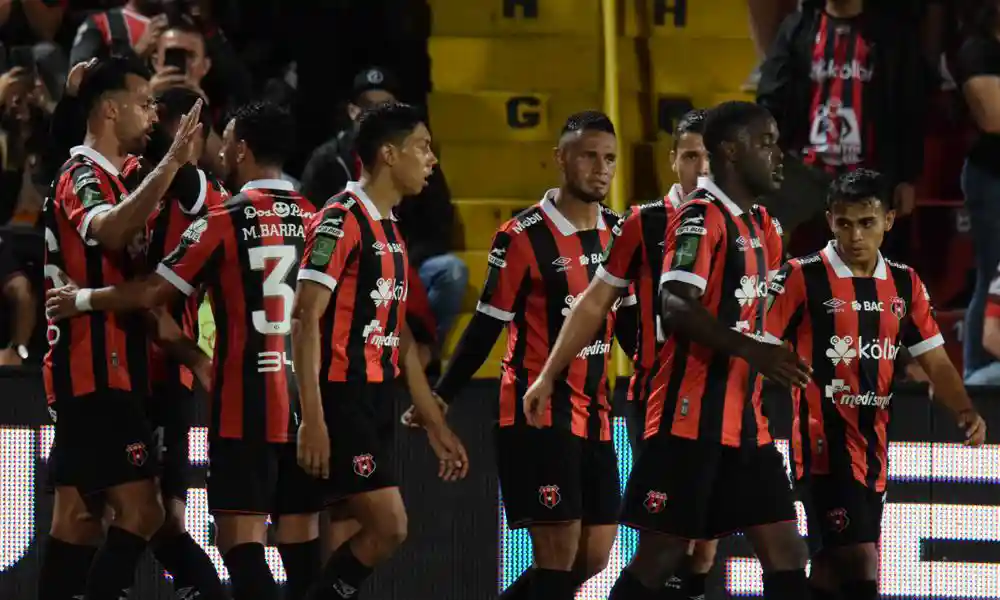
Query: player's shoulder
[[766, 218], [522, 222], [609, 215], [805, 262], [901, 270]]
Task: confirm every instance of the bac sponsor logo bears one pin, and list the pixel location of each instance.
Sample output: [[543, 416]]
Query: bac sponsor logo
[[588, 259], [845, 350], [743, 244], [387, 248]]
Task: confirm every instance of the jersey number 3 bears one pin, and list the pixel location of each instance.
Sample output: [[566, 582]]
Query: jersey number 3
[[275, 286]]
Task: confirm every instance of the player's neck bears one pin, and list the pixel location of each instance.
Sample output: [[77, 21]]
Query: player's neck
[[734, 189], [107, 146], [865, 269], [383, 193], [583, 215], [256, 174], [844, 9]]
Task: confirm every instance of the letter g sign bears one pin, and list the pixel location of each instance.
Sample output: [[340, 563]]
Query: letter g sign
[[523, 112]]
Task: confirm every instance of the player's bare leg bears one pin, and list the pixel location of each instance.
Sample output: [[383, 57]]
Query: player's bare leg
[[593, 551], [341, 527], [74, 537], [178, 553], [383, 520], [823, 580], [555, 547], [656, 559], [301, 555], [689, 581], [783, 555], [241, 539], [138, 515], [856, 569]]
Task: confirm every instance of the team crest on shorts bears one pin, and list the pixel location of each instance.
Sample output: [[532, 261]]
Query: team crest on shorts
[[837, 519], [655, 501], [137, 453], [364, 465], [549, 496]]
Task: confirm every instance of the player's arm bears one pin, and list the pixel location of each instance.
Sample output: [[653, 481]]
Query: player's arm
[[502, 297], [786, 303], [311, 302], [113, 226], [627, 323], [168, 335], [686, 266], [922, 339]]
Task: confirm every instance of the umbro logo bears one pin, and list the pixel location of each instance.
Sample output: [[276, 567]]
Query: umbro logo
[[562, 264]]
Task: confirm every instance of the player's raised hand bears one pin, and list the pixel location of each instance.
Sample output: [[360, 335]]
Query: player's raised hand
[[76, 75], [182, 149], [453, 460], [972, 423], [60, 303], [780, 364], [313, 449], [537, 400]]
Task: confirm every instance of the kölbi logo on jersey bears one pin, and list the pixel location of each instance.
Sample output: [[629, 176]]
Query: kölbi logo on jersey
[[387, 290], [751, 288], [844, 350]]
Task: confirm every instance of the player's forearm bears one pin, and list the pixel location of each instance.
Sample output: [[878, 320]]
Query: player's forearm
[[168, 335], [305, 356], [140, 294], [19, 294], [687, 318], [473, 349], [416, 381], [949, 389], [578, 330], [115, 228]]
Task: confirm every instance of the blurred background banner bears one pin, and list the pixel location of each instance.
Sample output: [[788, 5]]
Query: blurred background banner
[[942, 519]]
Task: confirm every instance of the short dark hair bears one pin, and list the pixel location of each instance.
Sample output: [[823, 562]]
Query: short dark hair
[[724, 122], [108, 75], [860, 185], [692, 122], [182, 22], [382, 124], [588, 120], [268, 129], [174, 103]]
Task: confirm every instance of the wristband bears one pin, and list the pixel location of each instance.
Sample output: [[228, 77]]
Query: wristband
[[83, 300]]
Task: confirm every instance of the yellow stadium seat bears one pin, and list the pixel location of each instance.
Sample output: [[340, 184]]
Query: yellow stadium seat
[[519, 117], [475, 260], [515, 17], [497, 170], [688, 19], [491, 368], [721, 65], [479, 218], [531, 64]]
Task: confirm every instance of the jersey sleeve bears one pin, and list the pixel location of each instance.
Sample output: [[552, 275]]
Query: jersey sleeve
[[507, 266], [920, 331], [83, 198], [332, 242], [186, 266], [774, 245], [786, 300], [693, 237], [191, 187], [619, 262]]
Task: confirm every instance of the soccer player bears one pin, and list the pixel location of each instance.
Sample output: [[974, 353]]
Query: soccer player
[[349, 340], [95, 369], [558, 469], [245, 253], [634, 257], [849, 311], [709, 466]]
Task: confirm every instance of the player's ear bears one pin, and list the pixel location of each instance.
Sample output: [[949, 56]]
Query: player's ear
[[559, 153], [388, 153], [241, 151], [673, 161], [890, 219], [829, 220]]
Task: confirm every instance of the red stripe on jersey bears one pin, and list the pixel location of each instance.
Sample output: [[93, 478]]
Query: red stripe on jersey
[[820, 89]]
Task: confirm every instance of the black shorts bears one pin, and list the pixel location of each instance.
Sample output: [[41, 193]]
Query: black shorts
[[254, 477], [102, 440], [703, 490], [635, 425], [171, 413], [552, 476], [840, 511], [361, 421]]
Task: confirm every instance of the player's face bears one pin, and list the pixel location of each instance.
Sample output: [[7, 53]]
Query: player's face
[[689, 160], [759, 159], [134, 114], [170, 129], [588, 164], [413, 161], [859, 228]]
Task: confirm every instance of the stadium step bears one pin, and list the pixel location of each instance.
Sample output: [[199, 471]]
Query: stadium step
[[721, 68], [475, 260], [491, 368], [479, 218], [686, 19], [494, 18], [532, 64], [520, 116]]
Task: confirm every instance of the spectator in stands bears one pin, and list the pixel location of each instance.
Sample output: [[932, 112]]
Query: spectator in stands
[[846, 82], [34, 24], [990, 373], [978, 73], [18, 304], [766, 17], [25, 106], [426, 220]]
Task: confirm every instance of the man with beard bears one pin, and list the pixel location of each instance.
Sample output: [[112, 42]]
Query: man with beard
[[95, 371]]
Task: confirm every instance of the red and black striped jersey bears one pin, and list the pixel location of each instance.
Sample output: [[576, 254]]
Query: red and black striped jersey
[[728, 254], [164, 230], [993, 299], [850, 330], [94, 351], [538, 266], [841, 136], [634, 256], [359, 254], [246, 253]]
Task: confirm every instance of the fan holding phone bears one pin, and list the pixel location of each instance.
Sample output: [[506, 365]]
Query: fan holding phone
[[180, 59]]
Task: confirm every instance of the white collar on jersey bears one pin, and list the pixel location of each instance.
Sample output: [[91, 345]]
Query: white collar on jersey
[[96, 157], [562, 223], [356, 188], [707, 184], [841, 268], [268, 184], [676, 195]]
